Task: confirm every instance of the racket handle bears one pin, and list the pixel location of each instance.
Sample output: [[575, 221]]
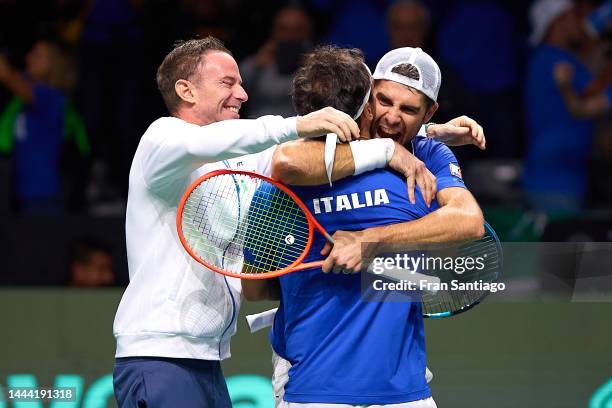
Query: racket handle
[[328, 237], [320, 228]]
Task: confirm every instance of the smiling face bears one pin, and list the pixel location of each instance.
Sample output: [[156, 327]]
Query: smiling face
[[217, 89], [398, 111]]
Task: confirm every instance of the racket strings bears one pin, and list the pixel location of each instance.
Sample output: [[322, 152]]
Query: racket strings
[[214, 219], [259, 226], [456, 299], [277, 231], [284, 213]]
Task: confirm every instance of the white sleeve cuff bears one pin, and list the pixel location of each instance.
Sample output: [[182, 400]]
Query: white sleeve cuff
[[290, 130], [261, 320], [371, 154]]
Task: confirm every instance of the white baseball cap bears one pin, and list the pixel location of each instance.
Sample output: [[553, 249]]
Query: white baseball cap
[[430, 77], [542, 14]]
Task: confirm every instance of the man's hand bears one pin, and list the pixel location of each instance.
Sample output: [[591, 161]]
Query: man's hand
[[346, 254], [415, 172], [328, 120], [458, 132]]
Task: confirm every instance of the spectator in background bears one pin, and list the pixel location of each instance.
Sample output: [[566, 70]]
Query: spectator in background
[[477, 49], [36, 126], [91, 264], [110, 84], [357, 23], [600, 26], [408, 24], [585, 105], [559, 145], [201, 18], [267, 75], [592, 102]]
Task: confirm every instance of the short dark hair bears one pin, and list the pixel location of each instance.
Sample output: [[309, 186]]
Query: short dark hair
[[181, 63], [331, 76], [82, 248], [410, 71]]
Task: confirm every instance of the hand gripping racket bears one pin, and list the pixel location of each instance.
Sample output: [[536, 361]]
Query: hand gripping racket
[[248, 226]]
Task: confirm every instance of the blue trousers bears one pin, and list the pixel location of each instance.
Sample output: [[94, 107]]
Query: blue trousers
[[156, 382]]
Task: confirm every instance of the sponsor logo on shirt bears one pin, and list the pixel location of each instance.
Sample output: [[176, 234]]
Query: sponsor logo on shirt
[[350, 201], [455, 170]]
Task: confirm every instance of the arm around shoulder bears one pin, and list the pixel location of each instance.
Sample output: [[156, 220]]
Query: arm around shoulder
[[175, 148], [470, 220], [459, 218], [302, 163]]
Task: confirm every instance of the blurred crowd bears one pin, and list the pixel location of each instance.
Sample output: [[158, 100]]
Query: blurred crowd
[[77, 87]]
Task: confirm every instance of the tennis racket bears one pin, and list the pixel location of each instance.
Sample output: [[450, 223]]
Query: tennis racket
[[447, 291], [245, 225]]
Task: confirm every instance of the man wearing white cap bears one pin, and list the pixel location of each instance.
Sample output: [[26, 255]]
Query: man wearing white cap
[[559, 141]]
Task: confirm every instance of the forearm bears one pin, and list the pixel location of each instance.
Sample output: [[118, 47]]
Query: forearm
[[584, 108], [444, 225], [234, 138], [177, 148], [18, 86], [302, 163], [456, 221]]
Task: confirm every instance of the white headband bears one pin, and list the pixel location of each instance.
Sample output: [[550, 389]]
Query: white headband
[[366, 97]]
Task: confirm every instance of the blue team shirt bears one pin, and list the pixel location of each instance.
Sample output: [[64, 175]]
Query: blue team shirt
[[559, 144], [342, 349], [39, 137]]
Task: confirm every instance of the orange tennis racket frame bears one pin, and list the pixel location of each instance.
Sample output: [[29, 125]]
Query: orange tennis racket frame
[[294, 266]]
